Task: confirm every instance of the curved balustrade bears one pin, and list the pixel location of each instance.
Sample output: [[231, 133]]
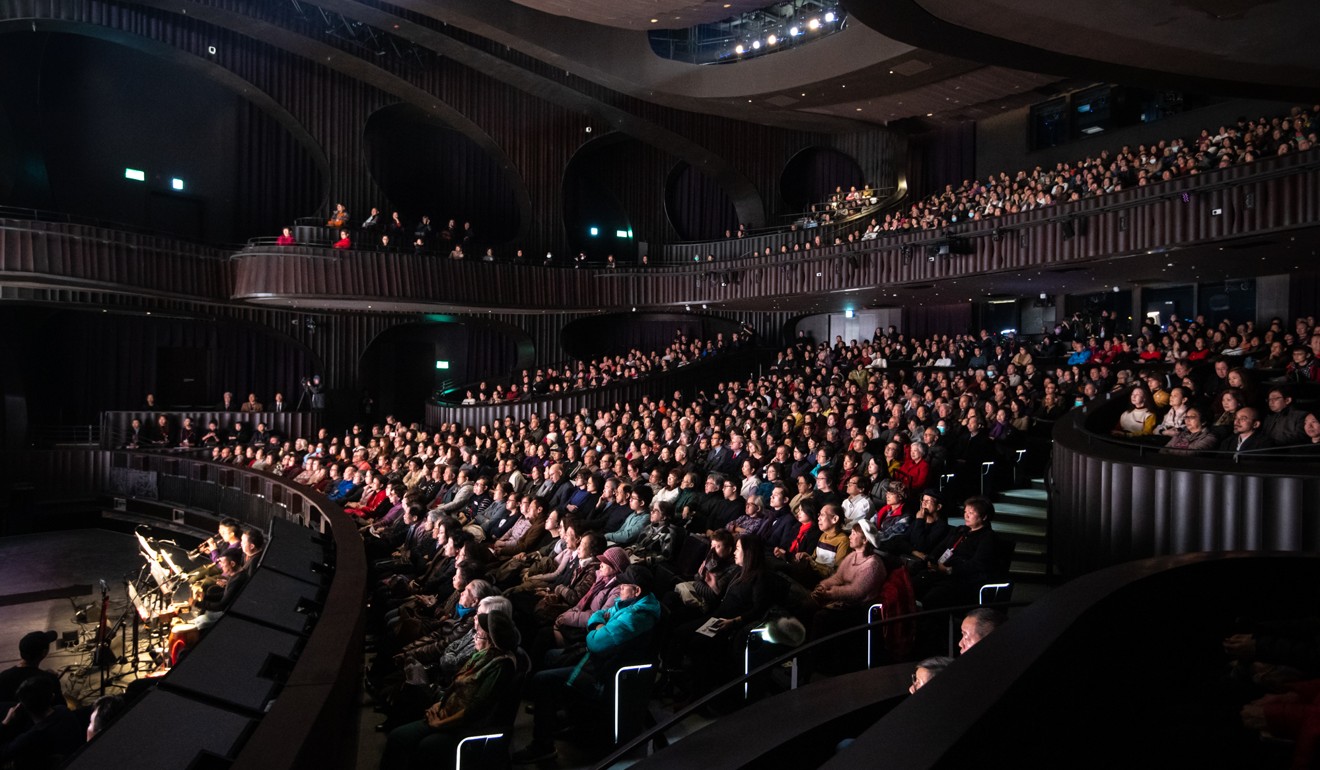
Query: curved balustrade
[[732, 365], [89, 257], [303, 726], [1116, 500], [683, 252], [1270, 195], [290, 425], [1139, 639]]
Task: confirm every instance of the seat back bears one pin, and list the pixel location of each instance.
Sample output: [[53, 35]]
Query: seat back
[[691, 555], [899, 598]]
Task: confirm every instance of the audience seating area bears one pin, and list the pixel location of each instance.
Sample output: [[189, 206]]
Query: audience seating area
[[870, 442]]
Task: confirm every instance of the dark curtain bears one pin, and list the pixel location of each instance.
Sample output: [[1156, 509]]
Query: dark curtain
[[812, 175], [108, 361], [490, 353], [276, 178], [698, 208], [1303, 294], [921, 321], [614, 334], [428, 169], [945, 155]]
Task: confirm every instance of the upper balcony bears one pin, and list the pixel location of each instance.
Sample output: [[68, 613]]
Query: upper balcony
[[1202, 227]]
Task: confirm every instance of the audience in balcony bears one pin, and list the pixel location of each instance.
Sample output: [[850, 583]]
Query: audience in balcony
[[338, 217], [599, 372], [1004, 194]]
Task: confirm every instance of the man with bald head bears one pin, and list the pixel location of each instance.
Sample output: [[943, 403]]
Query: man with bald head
[[1247, 435]]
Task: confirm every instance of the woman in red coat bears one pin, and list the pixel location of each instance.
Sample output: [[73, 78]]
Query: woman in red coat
[[915, 471]]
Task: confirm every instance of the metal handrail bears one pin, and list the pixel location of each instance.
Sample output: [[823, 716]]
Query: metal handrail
[[683, 713]]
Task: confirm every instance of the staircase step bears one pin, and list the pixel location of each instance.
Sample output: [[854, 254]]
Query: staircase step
[[1009, 510], [1030, 548], [1032, 568], [1015, 529], [1026, 496], [1038, 483]]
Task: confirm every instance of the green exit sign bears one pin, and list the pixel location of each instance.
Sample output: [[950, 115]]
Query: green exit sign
[[442, 364]]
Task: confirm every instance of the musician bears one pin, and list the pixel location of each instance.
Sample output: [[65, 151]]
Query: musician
[[252, 542], [210, 609], [232, 578], [229, 533], [227, 538]]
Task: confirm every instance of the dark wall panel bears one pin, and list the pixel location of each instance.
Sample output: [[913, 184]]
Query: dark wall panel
[[697, 207], [399, 368], [615, 334], [77, 110], [103, 360], [427, 168], [537, 137], [813, 174]]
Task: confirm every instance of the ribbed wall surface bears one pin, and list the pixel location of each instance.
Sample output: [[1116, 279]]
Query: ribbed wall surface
[[1115, 503]]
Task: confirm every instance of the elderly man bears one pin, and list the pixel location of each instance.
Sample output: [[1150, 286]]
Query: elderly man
[[977, 625]]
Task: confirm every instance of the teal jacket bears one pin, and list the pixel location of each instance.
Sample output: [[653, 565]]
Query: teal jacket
[[627, 625]]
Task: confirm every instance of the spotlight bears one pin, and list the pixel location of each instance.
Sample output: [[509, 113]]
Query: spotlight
[[813, 25], [794, 31], [211, 50], [756, 45], [771, 40], [738, 49], [829, 17]]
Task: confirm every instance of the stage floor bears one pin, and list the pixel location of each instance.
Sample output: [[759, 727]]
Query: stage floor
[[46, 578]]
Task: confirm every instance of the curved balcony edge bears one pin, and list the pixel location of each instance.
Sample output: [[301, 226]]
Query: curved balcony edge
[[1113, 502], [1271, 196], [735, 363]]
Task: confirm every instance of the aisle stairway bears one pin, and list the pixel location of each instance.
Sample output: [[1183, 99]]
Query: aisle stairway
[[1023, 514]]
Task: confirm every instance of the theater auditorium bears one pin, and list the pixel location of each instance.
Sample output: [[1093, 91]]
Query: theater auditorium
[[659, 383]]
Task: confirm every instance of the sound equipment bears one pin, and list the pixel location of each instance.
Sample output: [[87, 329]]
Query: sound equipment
[[239, 663], [169, 731], [278, 600]]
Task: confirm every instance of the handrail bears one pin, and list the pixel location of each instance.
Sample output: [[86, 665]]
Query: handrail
[[683, 713], [57, 217]]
